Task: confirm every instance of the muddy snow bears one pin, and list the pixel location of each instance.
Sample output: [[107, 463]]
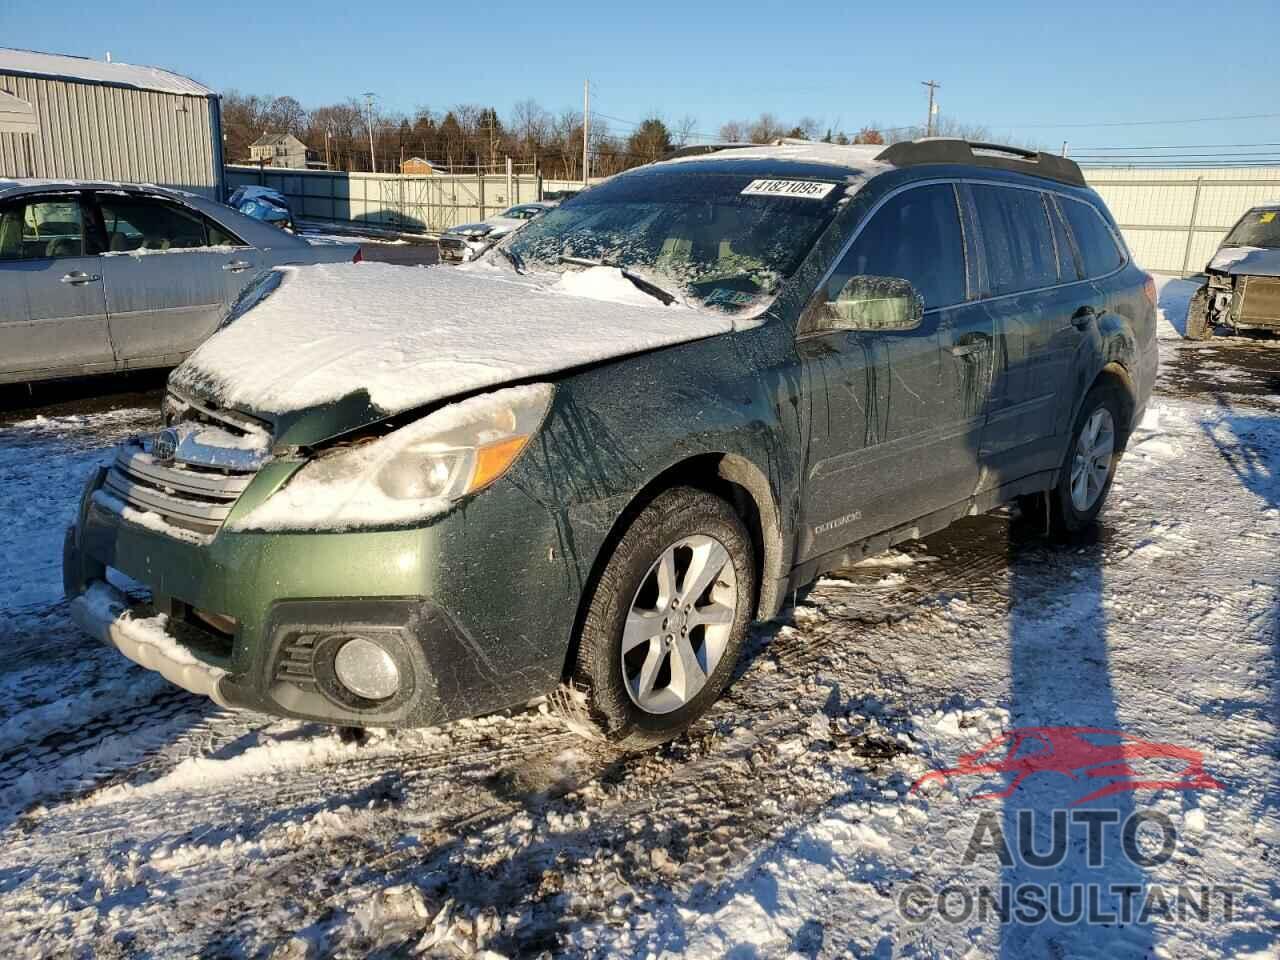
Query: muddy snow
[[138, 819]]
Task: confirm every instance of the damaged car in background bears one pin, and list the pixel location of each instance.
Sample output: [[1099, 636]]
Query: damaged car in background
[[579, 467], [466, 242], [1242, 290]]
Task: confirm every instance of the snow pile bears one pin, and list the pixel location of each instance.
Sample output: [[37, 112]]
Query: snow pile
[[1229, 255], [413, 336], [606, 284]]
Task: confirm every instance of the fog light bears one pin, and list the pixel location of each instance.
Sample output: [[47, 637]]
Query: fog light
[[366, 669]]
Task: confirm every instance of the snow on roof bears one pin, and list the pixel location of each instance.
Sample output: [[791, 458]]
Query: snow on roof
[[274, 139], [411, 337], [83, 69], [861, 156]]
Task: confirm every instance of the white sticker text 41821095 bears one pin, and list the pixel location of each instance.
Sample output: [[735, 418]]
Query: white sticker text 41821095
[[802, 189]]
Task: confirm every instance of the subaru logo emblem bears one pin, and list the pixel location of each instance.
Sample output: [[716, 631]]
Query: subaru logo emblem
[[164, 446]]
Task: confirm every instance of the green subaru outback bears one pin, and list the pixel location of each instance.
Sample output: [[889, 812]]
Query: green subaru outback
[[396, 497]]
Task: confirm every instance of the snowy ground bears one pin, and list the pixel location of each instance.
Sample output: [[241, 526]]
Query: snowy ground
[[137, 819]]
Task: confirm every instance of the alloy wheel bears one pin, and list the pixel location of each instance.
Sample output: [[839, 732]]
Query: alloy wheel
[[679, 624]]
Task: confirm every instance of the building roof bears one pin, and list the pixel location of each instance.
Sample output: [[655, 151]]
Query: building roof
[[275, 139], [84, 70]]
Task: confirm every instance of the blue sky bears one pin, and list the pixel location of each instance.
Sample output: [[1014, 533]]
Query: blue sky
[[1027, 71]]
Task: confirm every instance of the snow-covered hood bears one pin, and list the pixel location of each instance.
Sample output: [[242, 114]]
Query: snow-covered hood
[[1247, 261], [407, 337]]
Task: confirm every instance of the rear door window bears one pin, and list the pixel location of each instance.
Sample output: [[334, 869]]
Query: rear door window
[[144, 223], [915, 236], [1094, 240], [1017, 238]]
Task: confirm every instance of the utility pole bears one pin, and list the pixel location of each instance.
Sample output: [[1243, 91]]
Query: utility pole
[[932, 85], [586, 131], [373, 160]]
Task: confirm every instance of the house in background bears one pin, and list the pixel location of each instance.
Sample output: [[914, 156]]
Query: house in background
[[279, 150], [417, 166]]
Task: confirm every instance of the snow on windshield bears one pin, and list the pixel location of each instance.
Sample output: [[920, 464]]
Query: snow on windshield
[[720, 240], [410, 337]]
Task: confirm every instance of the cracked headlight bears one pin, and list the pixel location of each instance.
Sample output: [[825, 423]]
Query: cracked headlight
[[413, 473]]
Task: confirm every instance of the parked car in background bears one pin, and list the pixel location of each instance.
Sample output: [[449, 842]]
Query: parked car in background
[[98, 277], [1243, 286], [460, 244], [584, 467], [265, 204]]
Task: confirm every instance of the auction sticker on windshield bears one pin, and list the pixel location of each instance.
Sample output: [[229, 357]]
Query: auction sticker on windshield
[[807, 189]]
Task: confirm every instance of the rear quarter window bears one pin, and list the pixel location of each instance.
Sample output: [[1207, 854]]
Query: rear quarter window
[[1094, 240]]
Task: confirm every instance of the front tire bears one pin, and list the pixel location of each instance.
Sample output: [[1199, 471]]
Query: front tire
[[1198, 326], [667, 619]]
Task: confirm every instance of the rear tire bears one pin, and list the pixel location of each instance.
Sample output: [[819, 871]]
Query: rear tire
[[665, 595], [1198, 326], [1084, 479]]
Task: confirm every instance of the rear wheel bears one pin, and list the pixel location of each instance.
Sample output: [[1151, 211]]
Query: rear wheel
[[667, 619], [1198, 326], [1097, 443]]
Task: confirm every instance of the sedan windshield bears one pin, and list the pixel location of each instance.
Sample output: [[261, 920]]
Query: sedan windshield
[[1259, 228], [718, 240]]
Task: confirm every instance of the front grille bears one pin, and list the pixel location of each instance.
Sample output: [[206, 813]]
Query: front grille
[[1260, 302], [296, 662], [191, 474], [452, 248]]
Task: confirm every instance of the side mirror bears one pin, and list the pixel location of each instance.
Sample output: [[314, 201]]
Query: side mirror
[[876, 304]]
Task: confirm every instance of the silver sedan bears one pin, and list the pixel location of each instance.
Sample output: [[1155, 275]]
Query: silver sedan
[[99, 277]]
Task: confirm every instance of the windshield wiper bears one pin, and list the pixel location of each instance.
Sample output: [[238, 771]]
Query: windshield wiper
[[639, 282], [516, 261]]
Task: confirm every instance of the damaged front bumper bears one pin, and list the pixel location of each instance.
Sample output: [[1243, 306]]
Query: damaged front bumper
[[255, 620], [1243, 301], [105, 612]]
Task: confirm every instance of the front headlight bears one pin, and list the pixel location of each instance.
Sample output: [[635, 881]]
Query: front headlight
[[413, 473]]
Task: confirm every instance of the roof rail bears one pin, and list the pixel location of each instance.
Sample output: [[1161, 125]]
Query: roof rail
[[1037, 163], [700, 149]]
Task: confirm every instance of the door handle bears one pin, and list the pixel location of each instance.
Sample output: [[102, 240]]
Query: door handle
[[1083, 317], [235, 266], [970, 343], [79, 276]]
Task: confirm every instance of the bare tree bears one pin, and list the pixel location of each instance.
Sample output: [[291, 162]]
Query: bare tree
[[684, 130], [766, 129], [735, 131]]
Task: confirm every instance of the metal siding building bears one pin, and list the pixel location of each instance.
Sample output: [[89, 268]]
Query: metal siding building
[[111, 121]]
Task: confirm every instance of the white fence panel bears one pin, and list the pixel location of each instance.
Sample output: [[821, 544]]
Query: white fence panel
[[1174, 219], [418, 204]]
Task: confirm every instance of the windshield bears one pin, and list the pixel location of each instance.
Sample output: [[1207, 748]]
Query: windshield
[[1259, 228], [521, 213], [719, 240]]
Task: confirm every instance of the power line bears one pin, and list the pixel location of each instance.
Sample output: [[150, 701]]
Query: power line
[[1142, 123], [1186, 146]]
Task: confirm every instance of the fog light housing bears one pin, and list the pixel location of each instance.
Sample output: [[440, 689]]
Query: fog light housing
[[366, 669]]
